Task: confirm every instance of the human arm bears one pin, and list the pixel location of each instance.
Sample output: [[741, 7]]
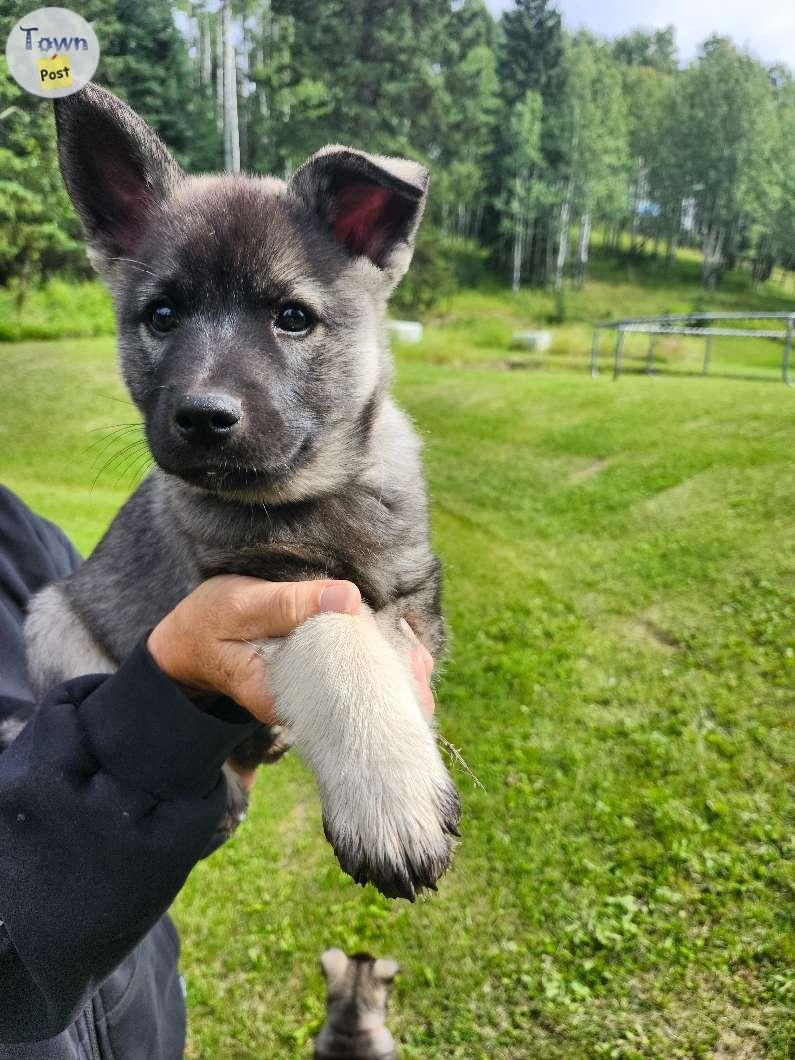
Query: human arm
[[113, 791]]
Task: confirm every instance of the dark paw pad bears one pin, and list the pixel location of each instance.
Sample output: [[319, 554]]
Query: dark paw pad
[[403, 857]]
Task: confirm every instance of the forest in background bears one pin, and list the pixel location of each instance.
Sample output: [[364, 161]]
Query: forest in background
[[535, 136]]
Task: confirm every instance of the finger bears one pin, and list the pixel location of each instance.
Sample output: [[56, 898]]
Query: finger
[[274, 609], [427, 661], [422, 666], [419, 648], [427, 702]]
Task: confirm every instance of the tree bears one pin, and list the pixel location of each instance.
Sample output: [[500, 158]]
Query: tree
[[529, 57], [526, 193], [470, 106], [723, 137], [774, 233], [378, 63], [530, 51], [653, 49], [144, 60], [647, 95], [38, 225], [230, 121], [589, 120]]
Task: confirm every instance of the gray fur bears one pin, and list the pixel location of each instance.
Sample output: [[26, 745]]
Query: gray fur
[[59, 644], [322, 476], [358, 990]]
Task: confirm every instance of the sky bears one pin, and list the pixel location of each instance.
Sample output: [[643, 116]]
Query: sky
[[766, 27]]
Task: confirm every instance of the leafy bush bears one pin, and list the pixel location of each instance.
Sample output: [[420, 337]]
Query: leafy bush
[[442, 264], [58, 309]]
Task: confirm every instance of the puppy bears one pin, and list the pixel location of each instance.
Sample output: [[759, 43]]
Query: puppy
[[358, 992], [251, 336]]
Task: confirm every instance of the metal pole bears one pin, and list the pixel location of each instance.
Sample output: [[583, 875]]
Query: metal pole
[[597, 335], [707, 355], [788, 352], [650, 354], [619, 352]]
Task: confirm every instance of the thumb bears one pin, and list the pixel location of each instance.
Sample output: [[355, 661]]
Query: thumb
[[274, 609]]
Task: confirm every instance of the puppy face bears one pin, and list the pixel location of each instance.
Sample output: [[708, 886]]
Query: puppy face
[[250, 311], [358, 988]]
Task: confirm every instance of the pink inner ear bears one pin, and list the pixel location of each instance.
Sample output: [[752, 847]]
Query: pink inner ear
[[363, 218], [128, 201]]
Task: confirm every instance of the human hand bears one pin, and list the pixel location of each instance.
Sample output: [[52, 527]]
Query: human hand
[[422, 668], [209, 641]]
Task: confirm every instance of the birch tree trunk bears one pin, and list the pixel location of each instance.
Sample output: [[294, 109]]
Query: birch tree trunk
[[231, 128], [583, 248], [518, 238], [518, 241], [636, 198], [206, 49], [563, 244], [713, 254], [219, 73], [673, 240]]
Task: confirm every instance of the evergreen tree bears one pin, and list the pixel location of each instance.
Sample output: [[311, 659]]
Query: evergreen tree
[[470, 107], [144, 59], [530, 50], [39, 229], [529, 59]]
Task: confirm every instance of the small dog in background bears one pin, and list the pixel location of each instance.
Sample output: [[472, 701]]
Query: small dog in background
[[358, 990], [251, 330]]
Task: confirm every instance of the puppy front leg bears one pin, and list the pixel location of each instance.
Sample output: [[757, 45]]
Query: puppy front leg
[[349, 699]]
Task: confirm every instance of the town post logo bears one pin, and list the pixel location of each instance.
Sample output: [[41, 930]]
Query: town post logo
[[52, 52], [55, 72]]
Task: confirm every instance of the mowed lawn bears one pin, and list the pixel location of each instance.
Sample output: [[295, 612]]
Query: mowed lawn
[[620, 588]]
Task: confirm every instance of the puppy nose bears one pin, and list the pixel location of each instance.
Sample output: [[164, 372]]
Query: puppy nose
[[207, 417]]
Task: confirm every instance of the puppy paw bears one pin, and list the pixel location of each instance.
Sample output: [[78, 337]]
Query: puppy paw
[[390, 809], [264, 747], [396, 833], [236, 803]]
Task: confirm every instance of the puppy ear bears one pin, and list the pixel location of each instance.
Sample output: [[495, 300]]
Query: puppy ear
[[116, 170], [372, 204], [333, 964], [385, 968]]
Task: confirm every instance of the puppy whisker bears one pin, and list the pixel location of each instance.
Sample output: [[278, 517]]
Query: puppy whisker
[[119, 400], [114, 460], [103, 445]]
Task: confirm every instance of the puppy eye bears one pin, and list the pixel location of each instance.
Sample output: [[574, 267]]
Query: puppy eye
[[293, 318], [162, 317]]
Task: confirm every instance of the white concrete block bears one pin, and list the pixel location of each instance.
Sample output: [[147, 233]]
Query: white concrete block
[[405, 330], [540, 341]]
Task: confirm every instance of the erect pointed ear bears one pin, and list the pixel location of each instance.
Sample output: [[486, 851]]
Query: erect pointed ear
[[372, 204], [116, 170], [333, 963], [385, 968]]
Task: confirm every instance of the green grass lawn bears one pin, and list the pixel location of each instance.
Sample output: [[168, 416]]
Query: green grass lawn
[[620, 587]]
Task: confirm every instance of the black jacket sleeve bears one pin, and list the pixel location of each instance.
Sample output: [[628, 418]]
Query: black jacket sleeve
[[108, 797]]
